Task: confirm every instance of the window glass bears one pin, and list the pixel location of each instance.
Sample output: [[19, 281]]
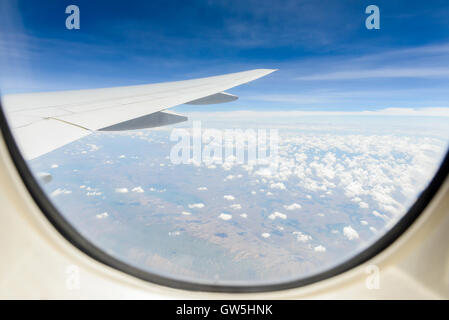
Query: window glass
[[316, 160]]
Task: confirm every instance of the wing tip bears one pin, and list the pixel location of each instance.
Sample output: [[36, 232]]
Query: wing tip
[[265, 72]]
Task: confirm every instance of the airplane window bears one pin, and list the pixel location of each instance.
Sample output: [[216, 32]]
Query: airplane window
[[227, 144]]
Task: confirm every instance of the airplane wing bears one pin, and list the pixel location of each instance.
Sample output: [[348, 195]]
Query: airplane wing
[[45, 121]]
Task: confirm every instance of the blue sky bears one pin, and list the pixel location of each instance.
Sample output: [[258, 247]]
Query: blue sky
[[327, 59]]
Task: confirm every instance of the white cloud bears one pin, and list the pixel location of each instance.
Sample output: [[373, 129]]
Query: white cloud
[[225, 216], [350, 233], [276, 214], [293, 206], [93, 147], [244, 215], [379, 215], [202, 188], [102, 215], [59, 191], [319, 248], [121, 190], [266, 235], [278, 185], [54, 166], [229, 197], [93, 193], [363, 205], [264, 172], [196, 205], [301, 237], [185, 213], [138, 189], [235, 206]]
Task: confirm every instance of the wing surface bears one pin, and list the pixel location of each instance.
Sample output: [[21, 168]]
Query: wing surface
[[45, 121]]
